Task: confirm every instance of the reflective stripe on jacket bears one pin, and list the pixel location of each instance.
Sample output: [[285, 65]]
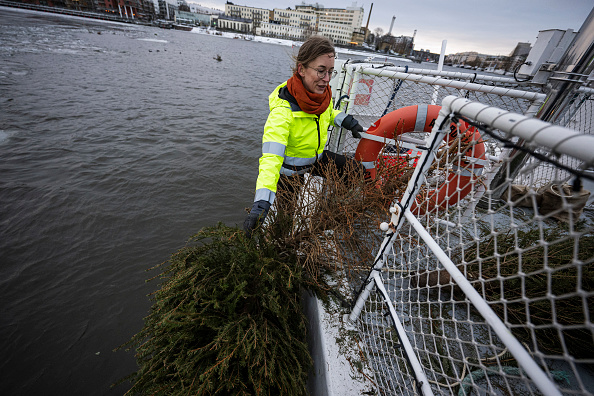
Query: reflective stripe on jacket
[[292, 140]]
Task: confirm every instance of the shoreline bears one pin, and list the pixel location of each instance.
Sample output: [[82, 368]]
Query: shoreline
[[29, 8], [293, 43], [65, 12]]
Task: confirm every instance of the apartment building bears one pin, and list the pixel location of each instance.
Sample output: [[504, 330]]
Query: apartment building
[[256, 15], [289, 24], [235, 23], [338, 24], [295, 18], [465, 57]]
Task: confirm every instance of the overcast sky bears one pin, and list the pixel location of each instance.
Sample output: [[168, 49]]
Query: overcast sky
[[491, 27]]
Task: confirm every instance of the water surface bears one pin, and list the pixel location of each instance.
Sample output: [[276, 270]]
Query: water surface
[[117, 143]]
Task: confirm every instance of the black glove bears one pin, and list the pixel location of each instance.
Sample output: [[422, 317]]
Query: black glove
[[256, 217], [356, 131], [353, 125]]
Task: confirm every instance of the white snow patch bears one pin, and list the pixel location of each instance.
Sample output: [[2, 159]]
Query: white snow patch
[[336, 353]]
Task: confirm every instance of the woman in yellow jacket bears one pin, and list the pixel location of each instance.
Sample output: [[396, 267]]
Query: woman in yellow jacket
[[296, 131]]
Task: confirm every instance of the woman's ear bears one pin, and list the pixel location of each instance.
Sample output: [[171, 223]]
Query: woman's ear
[[301, 70]]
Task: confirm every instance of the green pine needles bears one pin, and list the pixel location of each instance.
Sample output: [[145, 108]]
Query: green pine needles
[[226, 321]]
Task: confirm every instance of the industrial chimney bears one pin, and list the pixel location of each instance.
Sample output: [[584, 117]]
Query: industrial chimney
[[367, 26], [392, 25]]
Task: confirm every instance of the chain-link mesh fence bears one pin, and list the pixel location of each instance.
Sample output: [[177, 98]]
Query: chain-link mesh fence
[[579, 116], [490, 287], [370, 92]]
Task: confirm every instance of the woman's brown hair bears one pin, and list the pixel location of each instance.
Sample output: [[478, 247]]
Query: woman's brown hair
[[311, 49]]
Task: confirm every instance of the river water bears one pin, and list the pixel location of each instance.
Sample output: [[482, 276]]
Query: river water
[[117, 143]]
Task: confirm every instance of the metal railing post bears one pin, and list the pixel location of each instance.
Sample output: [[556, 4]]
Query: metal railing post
[[416, 181]]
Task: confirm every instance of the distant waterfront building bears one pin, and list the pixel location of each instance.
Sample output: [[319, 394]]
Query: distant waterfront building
[[128, 9], [424, 55], [289, 24], [462, 58], [192, 18], [275, 29], [522, 49], [295, 18], [165, 9], [226, 22], [492, 62], [359, 35], [198, 9], [518, 56], [256, 15], [82, 5], [401, 45], [338, 24]]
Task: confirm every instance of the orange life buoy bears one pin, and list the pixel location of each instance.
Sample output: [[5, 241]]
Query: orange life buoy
[[421, 118]]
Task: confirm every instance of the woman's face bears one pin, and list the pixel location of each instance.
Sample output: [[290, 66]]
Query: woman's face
[[323, 66]]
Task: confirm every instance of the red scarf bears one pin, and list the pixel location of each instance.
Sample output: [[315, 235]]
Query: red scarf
[[311, 103]]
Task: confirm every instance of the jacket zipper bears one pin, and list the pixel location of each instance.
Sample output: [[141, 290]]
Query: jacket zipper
[[319, 140]]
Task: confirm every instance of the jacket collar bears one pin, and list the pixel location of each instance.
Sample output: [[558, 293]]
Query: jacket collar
[[284, 94]]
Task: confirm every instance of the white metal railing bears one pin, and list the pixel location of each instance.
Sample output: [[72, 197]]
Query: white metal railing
[[463, 85], [472, 77], [509, 312], [368, 92]]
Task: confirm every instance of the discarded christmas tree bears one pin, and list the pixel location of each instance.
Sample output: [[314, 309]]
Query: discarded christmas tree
[[226, 321]]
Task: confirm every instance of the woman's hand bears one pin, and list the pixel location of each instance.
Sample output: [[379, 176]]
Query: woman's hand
[[352, 125], [255, 217]]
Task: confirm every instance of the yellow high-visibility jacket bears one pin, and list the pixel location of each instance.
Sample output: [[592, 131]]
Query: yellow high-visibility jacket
[[292, 140]]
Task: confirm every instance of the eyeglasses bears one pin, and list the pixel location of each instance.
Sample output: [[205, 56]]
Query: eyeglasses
[[322, 72]]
